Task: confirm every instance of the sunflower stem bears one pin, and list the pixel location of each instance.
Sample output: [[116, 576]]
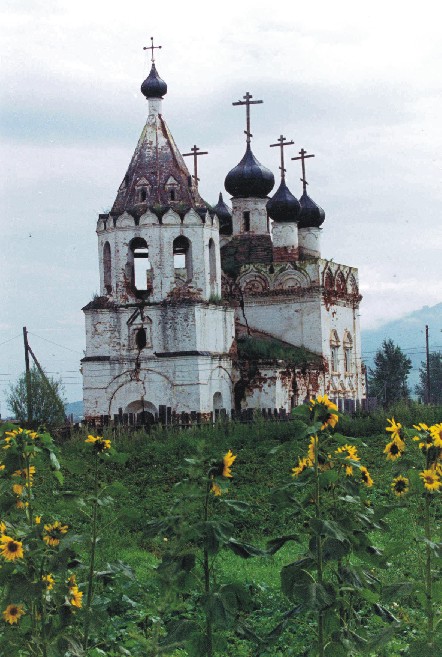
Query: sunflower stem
[[428, 577], [319, 564], [90, 585], [206, 568]]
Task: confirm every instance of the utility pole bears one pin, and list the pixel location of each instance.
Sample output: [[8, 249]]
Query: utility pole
[[427, 348], [28, 376]]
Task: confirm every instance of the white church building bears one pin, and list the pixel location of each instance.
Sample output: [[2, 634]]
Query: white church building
[[205, 310]]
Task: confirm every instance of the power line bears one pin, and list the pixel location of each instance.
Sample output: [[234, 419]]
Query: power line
[[74, 351], [10, 340]]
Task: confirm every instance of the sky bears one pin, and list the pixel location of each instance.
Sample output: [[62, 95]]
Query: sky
[[356, 84]]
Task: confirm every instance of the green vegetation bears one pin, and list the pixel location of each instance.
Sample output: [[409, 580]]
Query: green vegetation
[[37, 400], [320, 563], [253, 348], [388, 379]]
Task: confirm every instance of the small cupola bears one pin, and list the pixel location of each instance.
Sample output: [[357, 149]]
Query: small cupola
[[311, 215], [153, 86], [283, 207], [224, 215], [249, 179]]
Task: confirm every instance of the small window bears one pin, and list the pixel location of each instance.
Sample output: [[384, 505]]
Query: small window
[[141, 338], [182, 258], [246, 218], [143, 195], [107, 267], [172, 194]]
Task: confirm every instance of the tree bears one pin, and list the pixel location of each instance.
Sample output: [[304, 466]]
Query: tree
[[388, 379], [435, 379], [46, 400]]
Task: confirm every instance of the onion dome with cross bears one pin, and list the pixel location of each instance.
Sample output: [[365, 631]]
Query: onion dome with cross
[[249, 179], [283, 207], [311, 215]]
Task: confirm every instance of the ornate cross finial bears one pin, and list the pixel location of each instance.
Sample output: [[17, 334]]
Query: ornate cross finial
[[152, 48], [303, 157], [195, 153], [247, 102], [281, 143]]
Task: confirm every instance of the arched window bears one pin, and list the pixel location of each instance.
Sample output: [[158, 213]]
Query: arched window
[[107, 267], [182, 258], [334, 351], [352, 285], [142, 270], [348, 352], [329, 282], [246, 218], [340, 282], [212, 266]]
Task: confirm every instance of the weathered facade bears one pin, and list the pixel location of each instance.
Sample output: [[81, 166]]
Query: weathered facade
[[204, 308]]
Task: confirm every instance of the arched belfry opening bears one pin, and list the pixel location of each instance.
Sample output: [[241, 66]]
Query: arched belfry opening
[[107, 268], [212, 266], [182, 259], [141, 338], [141, 266]]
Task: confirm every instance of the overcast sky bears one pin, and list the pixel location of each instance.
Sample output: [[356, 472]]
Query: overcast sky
[[359, 86]]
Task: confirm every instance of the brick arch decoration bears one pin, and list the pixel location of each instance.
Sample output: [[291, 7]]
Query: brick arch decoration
[[341, 285], [329, 280], [254, 283], [352, 286], [289, 280]]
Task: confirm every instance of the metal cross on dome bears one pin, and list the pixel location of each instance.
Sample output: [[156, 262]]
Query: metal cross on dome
[[195, 153], [152, 48], [303, 157], [247, 102], [281, 143]]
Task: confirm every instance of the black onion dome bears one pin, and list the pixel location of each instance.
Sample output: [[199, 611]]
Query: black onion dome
[[249, 179], [311, 215], [224, 215], [283, 207], [153, 86]]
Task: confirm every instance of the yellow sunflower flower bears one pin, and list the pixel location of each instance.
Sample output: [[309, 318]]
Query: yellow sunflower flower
[[228, 461], [100, 444], [23, 474], [368, 481], [331, 418], [17, 489], [49, 581], [436, 434], [400, 486], [303, 464], [395, 427], [2, 527], [349, 452], [216, 489], [37, 520], [53, 533], [13, 613], [431, 480], [72, 580], [11, 549], [394, 449], [75, 597]]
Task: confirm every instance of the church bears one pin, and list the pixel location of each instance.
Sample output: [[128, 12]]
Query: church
[[206, 310]]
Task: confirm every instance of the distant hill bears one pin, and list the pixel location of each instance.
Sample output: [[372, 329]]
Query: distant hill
[[76, 409], [408, 332]]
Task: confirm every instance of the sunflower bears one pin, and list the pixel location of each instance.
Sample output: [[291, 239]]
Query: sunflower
[[330, 419], [303, 464], [2, 527], [100, 444], [75, 597], [23, 474], [349, 452], [394, 449], [313, 446], [400, 486], [49, 581], [53, 533], [13, 613], [436, 434], [368, 481], [228, 460], [431, 479], [72, 580], [395, 427], [17, 489], [216, 489], [11, 549]]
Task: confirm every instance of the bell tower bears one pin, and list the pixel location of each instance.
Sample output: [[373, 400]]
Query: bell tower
[[158, 334]]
